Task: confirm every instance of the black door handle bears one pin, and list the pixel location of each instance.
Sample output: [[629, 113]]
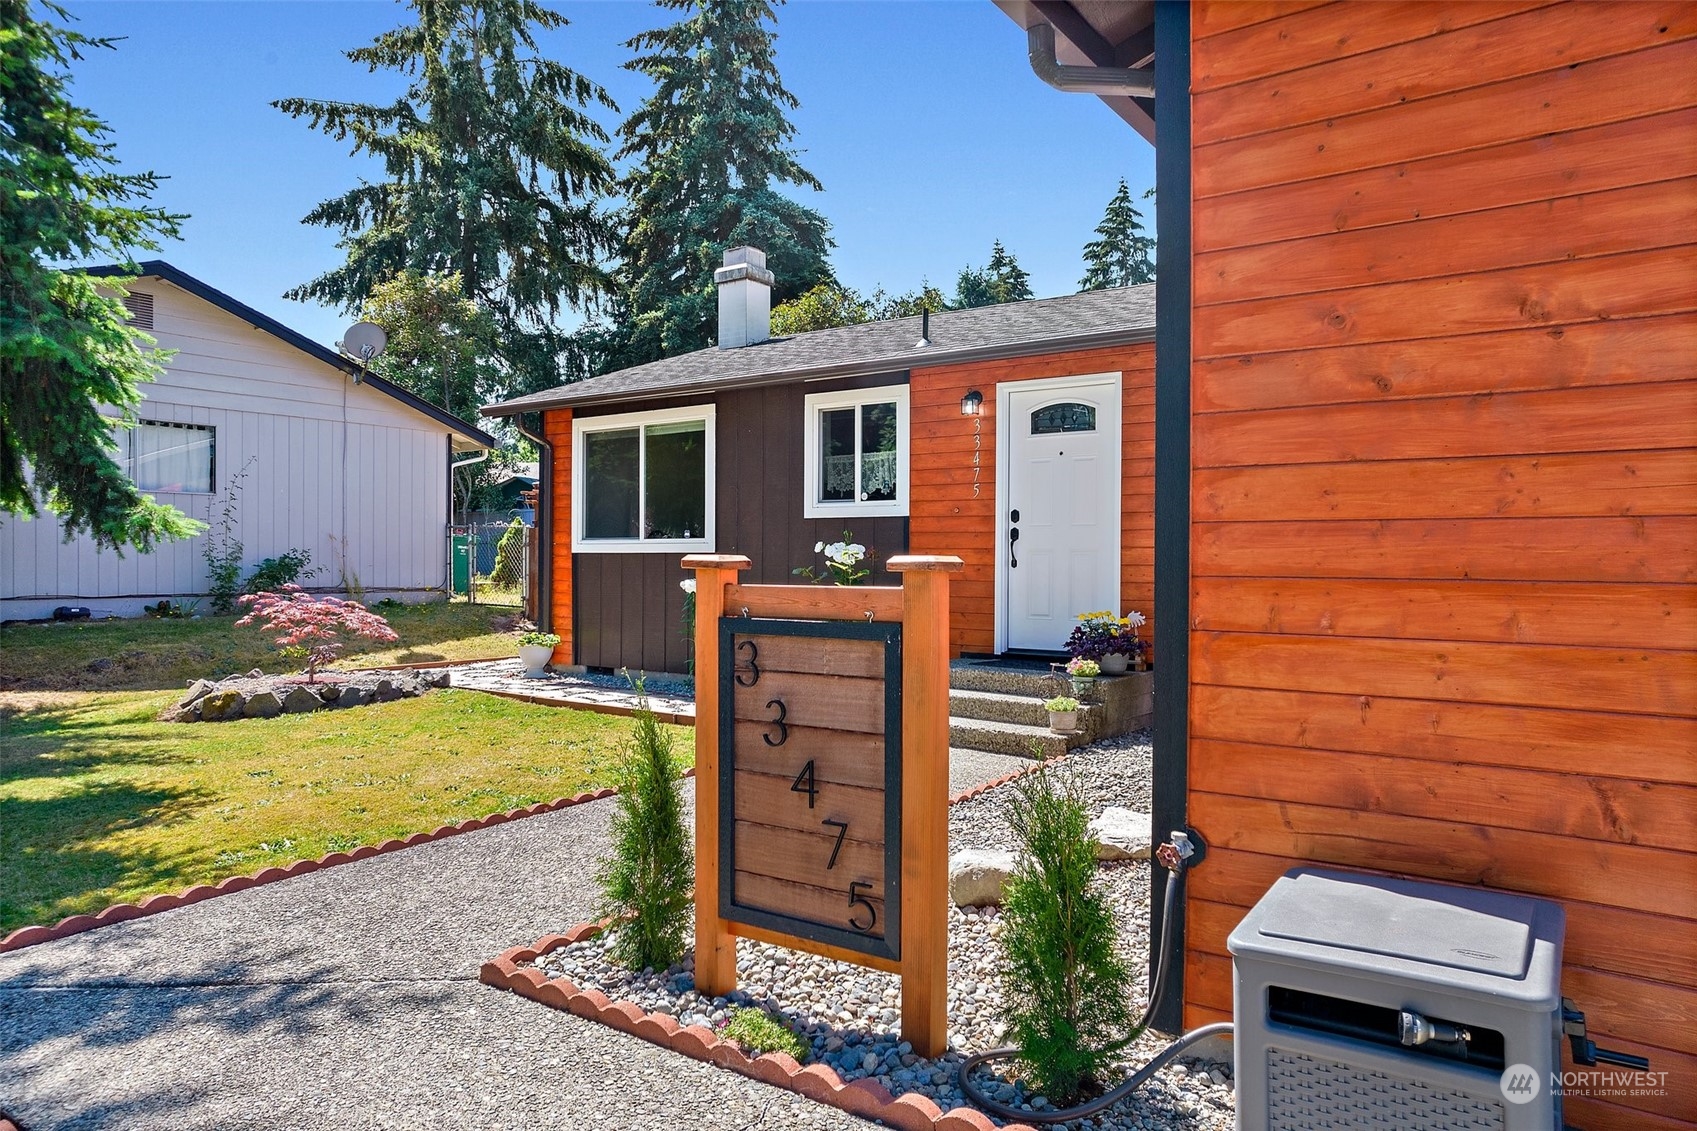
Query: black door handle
[[1013, 558]]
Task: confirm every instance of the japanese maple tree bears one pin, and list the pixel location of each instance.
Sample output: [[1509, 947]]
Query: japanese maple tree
[[313, 627]]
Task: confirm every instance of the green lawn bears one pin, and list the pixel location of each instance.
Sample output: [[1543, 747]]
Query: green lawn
[[101, 804], [143, 654]]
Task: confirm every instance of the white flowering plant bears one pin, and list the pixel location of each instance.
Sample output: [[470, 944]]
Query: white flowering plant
[[843, 562], [687, 624]]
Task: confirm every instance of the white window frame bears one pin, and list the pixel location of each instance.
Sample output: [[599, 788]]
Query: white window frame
[[815, 403], [126, 447], [627, 420]]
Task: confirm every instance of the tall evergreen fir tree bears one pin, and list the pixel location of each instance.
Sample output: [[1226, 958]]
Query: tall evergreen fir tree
[[1001, 280], [494, 171], [65, 350], [707, 153], [1123, 254]]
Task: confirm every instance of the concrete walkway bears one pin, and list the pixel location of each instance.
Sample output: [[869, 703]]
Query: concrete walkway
[[348, 999], [555, 689]]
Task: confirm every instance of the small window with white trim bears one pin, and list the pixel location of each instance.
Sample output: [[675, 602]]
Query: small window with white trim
[[169, 458], [643, 481], [857, 452]]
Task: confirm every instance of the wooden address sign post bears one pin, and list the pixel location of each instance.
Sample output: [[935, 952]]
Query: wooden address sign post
[[822, 772]]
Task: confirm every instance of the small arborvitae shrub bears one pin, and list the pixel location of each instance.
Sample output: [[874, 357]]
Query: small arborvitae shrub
[[509, 557], [758, 1031], [1068, 990], [646, 882]]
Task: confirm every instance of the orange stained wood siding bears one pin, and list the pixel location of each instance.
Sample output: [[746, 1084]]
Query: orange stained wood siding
[[945, 518], [1444, 590], [557, 430]]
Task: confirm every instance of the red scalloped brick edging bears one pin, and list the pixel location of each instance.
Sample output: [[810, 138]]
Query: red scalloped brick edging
[[865, 1098], [968, 795], [153, 904]]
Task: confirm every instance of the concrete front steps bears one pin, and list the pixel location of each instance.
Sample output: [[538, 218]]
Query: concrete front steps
[[999, 708]]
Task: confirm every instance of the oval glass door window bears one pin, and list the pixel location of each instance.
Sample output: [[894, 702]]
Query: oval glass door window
[[1069, 417]]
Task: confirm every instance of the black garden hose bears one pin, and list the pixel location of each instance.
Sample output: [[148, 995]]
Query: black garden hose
[[1169, 907], [1090, 1107]]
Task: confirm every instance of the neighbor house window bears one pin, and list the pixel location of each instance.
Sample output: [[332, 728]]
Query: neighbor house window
[[177, 458], [643, 481], [856, 452]]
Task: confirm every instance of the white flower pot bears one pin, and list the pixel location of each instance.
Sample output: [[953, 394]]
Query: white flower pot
[[1063, 722], [1114, 663], [535, 658]]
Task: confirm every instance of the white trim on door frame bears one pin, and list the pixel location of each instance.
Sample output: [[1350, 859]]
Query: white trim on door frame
[[1004, 443]]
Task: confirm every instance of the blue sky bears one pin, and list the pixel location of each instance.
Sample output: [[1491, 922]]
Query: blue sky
[[923, 120]]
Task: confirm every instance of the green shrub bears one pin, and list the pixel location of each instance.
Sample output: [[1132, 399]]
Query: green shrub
[[1068, 990], [758, 1031], [647, 880], [286, 568], [509, 557], [539, 640]]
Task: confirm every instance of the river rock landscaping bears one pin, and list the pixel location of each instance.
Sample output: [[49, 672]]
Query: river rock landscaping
[[850, 1016], [260, 696]]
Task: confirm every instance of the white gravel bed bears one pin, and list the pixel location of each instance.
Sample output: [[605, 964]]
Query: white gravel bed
[[852, 1015]]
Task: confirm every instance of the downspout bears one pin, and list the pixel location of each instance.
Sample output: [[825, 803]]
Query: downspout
[[453, 467], [1170, 801], [543, 578], [1129, 82]]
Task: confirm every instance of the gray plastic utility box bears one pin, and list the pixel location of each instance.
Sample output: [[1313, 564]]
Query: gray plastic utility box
[[1366, 1003]]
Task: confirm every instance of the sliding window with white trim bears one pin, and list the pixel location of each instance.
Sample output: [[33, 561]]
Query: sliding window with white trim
[[643, 482], [856, 452]]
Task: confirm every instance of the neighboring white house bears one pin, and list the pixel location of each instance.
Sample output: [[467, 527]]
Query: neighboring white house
[[353, 471]]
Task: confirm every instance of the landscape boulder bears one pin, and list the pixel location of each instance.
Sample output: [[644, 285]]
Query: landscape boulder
[[1121, 834], [301, 699], [263, 705], [978, 876], [216, 706]]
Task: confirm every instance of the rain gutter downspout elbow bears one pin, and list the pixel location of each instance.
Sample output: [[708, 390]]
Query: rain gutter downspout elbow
[[1129, 82]]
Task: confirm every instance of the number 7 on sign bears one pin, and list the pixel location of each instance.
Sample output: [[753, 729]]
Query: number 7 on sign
[[842, 831]]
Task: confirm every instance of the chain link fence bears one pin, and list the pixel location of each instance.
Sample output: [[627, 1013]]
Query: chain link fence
[[490, 562]]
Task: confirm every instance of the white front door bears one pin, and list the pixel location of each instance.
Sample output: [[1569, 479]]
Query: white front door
[[1060, 511]]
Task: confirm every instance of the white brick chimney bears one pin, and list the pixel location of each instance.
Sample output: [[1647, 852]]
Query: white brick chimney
[[745, 298]]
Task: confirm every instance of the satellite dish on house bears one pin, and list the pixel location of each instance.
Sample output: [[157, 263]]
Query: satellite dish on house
[[362, 342]]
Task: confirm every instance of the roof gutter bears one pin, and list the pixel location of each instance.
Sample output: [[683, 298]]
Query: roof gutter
[[1134, 82], [892, 364]]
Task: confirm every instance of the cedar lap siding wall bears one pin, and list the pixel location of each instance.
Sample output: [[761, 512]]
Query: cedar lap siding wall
[[946, 519], [626, 609], [1442, 478]]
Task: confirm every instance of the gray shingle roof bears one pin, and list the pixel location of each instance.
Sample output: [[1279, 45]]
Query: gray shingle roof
[[1046, 325]]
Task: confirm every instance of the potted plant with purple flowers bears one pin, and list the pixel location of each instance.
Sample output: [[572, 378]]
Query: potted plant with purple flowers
[[1110, 640]]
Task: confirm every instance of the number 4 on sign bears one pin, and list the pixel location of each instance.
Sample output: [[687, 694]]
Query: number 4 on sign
[[804, 783]]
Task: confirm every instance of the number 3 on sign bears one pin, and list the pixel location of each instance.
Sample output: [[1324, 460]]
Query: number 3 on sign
[[858, 900], [783, 730]]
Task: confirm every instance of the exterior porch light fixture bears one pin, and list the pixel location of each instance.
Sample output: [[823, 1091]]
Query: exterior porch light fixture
[[972, 404]]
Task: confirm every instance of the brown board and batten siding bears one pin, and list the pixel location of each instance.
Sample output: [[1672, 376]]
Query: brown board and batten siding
[[1444, 608], [945, 518], [626, 610]]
